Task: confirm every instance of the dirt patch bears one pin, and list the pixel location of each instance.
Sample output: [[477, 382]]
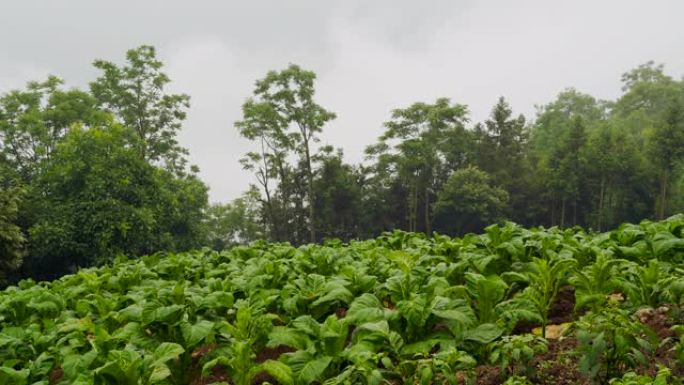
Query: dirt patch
[[218, 374], [488, 375], [273, 353], [661, 323], [341, 312], [558, 366], [563, 307], [524, 327], [657, 320], [264, 378], [56, 375]]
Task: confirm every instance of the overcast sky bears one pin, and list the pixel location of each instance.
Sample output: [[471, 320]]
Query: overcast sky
[[370, 56]]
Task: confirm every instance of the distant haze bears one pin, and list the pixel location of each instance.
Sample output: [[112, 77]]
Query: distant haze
[[370, 56]]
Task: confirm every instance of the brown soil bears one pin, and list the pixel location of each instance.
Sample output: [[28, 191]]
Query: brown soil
[[341, 312], [269, 354], [659, 321], [56, 375], [262, 378], [488, 375], [555, 367], [563, 307], [273, 353], [558, 366], [218, 374], [387, 302]]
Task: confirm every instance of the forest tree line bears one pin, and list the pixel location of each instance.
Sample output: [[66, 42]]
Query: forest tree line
[[88, 175]]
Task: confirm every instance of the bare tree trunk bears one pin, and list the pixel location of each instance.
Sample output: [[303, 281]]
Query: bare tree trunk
[[312, 217], [562, 220], [267, 191], [428, 224], [285, 204], [602, 193], [413, 207], [662, 207]]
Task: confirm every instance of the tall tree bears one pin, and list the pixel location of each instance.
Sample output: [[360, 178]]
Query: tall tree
[[34, 120], [284, 107], [421, 145], [135, 93], [469, 202], [653, 104], [338, 196], [97, 199], [262, 124], [556, 138], [502, 152], [667, 150]]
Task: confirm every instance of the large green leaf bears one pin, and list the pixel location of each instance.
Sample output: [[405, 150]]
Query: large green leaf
[[9, 376], [483, 334], [193, 334], [159, 373], [167, 351], [278, 370], [285, 336], [312, 370]]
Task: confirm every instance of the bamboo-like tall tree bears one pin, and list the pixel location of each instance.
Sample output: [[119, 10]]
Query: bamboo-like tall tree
[[284, 113]]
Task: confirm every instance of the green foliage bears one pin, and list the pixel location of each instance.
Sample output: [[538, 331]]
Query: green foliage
[[12, 240], [545, 278], [97, 199], [517, 380], [34, 120], [135, 94], [284, 119], [421, 145], [595, 282], [402, 307], [631, 378], [514, 353], [237, 222], [88, 165], [469, 202], [611, 341]]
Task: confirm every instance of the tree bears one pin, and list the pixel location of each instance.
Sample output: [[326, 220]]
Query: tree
[[469, 202], [667, 150], [261, 123], [338, 196], [501, 151], [135, 94], [34, 120], [567, 165], [98, 198], [284, 117], [12, 241], [237, 222], [557, 137], [616, 176], [654, 103], [421, 145]]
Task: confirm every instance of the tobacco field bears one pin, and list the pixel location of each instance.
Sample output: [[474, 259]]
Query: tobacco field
[[511, 305]]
